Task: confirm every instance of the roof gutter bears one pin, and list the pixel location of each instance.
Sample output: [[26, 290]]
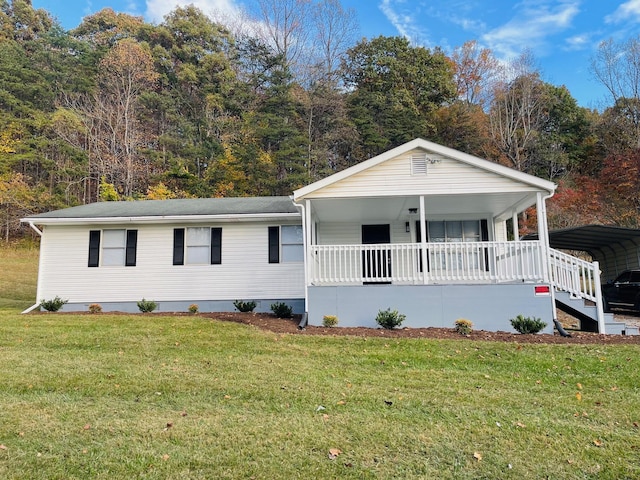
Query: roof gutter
[[159, 219]]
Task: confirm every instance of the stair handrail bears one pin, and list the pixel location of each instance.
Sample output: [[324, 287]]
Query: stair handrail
[[578, 277]]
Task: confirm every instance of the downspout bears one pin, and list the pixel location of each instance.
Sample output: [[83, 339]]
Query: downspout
[[39, 232], [303, 213]]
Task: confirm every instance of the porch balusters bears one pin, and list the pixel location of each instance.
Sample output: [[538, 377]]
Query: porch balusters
[[448, 262]]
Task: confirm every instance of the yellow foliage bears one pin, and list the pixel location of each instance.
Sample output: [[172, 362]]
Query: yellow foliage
[[159, 192], [10, 137]]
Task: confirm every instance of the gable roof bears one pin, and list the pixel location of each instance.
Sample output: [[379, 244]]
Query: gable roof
[[170, 210], [530, 180]]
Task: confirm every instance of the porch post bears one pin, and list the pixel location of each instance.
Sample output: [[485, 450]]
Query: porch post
[[514, 221], [423, 241], [543, 233], [543, 236], [307, 230]]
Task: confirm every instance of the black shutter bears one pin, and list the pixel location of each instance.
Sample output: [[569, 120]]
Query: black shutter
[[274, 244], [94, 248], [178, 246], [216, 246], [132, 245]]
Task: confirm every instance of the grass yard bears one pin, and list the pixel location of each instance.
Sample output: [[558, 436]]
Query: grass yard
[[18, 276], [150, 396], [136, 396]]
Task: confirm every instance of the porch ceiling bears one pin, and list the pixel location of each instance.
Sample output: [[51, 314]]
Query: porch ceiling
[[397, 208]]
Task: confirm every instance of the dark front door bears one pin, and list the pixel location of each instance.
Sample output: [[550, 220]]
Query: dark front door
[[376, 264]]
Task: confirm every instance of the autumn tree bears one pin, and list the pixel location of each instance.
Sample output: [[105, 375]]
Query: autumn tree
[[517, 112], [616, 65], [111, 117], [284, 25], [334, 33], [395, 90], [619, 183], [17, 199], [475, 71], [104, 29]]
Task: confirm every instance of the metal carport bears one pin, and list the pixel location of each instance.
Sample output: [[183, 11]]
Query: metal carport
[[615, 248]]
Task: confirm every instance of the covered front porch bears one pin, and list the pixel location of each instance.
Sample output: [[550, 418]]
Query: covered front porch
[[433, 233]]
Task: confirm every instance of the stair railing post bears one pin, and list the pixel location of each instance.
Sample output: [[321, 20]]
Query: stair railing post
[[598, 295]]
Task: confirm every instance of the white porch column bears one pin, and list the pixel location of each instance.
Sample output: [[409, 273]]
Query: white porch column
[[543, 232], [516, 230], [307, 230], [423, 240]]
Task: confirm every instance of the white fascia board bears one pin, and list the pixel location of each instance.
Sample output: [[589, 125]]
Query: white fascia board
[[164, 219]]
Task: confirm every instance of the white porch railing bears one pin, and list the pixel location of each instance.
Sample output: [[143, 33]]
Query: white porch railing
[[450, 262], [574, 275]]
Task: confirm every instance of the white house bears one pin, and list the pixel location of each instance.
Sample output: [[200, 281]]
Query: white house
[[175, 252], [348, 245]]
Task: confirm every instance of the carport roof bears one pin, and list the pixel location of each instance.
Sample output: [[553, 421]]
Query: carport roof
[[589, 238]]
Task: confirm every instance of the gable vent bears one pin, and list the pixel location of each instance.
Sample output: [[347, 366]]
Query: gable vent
[[418, 164]]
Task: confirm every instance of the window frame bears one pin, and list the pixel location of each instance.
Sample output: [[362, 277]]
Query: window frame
[[97, 248], [181, 246], [276, 243]]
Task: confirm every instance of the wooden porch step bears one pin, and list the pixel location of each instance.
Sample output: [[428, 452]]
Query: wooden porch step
[[630, 330]]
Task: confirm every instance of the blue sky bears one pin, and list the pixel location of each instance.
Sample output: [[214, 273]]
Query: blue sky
[[561, 34]]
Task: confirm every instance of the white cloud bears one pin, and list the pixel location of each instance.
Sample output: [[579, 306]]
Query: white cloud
[[157, 9], [624, 12], [531, 27], [403, 22], [578, 42]]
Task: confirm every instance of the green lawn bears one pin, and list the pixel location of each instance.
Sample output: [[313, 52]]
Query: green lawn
[[151, 396], [18, 275]]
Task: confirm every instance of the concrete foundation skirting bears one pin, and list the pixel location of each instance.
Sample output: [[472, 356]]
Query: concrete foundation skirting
[[297, 304], [489, 307]]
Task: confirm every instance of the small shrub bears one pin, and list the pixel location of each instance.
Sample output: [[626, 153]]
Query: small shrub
[[95, 308], [329, 321], [53, 305], [463, 326], [242, 306], [281, 310], [147, 306], [527, 324], [389, 319], [194, 308]]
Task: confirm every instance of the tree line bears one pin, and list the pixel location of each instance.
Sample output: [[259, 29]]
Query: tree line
[[261, 104]]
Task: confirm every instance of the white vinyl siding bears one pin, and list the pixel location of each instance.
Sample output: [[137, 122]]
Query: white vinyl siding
[[244, 274], [444, 177]]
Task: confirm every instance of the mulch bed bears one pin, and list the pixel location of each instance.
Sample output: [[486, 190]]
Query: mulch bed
[[269, 322]]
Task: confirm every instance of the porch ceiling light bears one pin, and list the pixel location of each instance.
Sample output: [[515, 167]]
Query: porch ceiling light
[[413, 210]]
